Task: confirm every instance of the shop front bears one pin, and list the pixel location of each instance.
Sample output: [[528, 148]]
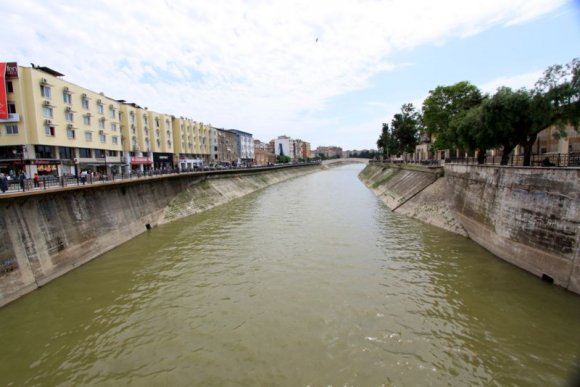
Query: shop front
[[162, 161], [140, 164]]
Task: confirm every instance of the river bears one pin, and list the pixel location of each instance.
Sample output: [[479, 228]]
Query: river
[[310, 282]]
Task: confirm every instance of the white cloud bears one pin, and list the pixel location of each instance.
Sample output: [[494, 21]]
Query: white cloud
[[518, 81], [251, 65]]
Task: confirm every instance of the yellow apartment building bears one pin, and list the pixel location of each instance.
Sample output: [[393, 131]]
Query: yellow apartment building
[[56, 127], [192, 145], [51, 126]]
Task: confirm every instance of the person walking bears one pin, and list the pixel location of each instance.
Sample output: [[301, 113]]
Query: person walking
[[22, 179], [3, 183], [36, 180]]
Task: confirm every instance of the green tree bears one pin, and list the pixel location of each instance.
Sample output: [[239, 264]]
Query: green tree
[[387, 143], [405, 128], [560, 89], [443, 107], [283, 159]]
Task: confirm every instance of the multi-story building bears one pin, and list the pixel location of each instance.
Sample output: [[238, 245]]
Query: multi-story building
[[262, 154], [56, 127], [227, 149], [213, 140], [284, 146], [192, 143], [245, 147], [329, 152]]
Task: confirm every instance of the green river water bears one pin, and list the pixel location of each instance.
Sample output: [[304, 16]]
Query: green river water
[[310, 282]]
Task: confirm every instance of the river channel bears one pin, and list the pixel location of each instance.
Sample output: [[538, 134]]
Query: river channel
[[310, 282]]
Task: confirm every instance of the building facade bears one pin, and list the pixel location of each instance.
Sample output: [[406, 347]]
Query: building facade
[[244, 147], [49, 126]]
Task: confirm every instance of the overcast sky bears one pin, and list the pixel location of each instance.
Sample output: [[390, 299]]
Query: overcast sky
[[328, 72]]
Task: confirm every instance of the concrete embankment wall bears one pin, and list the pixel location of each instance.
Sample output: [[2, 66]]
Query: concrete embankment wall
[[46, 234], [529, 217]]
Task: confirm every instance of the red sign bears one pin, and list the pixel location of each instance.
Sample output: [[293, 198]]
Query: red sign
[[12, 70], [140, 160], [3, 102]]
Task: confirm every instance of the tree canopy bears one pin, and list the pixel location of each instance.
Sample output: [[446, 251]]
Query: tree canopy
[[460, 117]]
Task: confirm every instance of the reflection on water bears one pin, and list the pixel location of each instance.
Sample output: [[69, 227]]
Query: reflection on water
[[310, 282]]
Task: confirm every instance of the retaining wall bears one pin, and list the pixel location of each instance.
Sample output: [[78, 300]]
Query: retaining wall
[[527, 216]]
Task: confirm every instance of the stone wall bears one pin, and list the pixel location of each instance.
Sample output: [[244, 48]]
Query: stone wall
[[45, 234], [527, 216]]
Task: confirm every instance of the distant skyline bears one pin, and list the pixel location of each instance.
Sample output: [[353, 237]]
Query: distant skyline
[[327, 72]]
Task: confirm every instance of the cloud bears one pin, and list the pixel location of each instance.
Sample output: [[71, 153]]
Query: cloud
[[253, 65], [518, 81]]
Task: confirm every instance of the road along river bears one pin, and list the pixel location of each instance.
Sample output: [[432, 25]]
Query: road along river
[[312, 281]]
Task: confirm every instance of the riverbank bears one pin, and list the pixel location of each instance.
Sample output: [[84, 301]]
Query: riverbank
[[45, 234], [528, 217]]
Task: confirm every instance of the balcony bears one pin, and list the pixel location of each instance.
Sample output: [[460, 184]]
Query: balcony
[[12, 117]]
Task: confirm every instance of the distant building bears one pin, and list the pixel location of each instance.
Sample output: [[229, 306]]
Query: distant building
[[262, 153], [329, 152], [245, 147]]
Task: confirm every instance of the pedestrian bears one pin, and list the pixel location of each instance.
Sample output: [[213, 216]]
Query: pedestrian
[[84, 177], [22, 179], [3, 183], [36, 180]]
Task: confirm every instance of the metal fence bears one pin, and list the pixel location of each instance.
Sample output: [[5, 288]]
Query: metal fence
[[537, 161], [52, 182]]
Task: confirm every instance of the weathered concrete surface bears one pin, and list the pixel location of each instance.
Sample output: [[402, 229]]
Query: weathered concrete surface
[[527, 216], [417, 192], [47, 234]]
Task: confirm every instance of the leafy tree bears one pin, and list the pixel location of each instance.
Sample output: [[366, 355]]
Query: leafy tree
[[282, 159], [443, 107], [405, 127], [386, 142], [560, 87]]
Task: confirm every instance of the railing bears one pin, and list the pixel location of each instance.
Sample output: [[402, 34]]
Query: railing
[[560, 160], [52, 182], [543, 160]]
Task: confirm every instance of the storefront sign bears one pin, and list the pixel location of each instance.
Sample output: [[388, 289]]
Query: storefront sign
[[12, 70], [3, 102]]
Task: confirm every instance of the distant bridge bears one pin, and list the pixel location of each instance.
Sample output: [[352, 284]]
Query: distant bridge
[[344, 161]]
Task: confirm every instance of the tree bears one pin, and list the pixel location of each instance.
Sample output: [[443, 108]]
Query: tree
[[405, 128], [445, 105], [560, 87], [386, 142]]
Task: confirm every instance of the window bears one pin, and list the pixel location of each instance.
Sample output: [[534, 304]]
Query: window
[[144, 119], [112, 153], [103, 138], [100, 108], [47, 112], [43, 151], [49, 130], [158, 143], [67, 98], [69, 116], [70, 134], [85, 103], [87, 119], [11, 108], [115, 140], [88, 136], [45, 91], [113, 126], [112, 112], [9, 87], [85, 153], [132, 117], [11, 129], [65, 153], [102, 124]]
